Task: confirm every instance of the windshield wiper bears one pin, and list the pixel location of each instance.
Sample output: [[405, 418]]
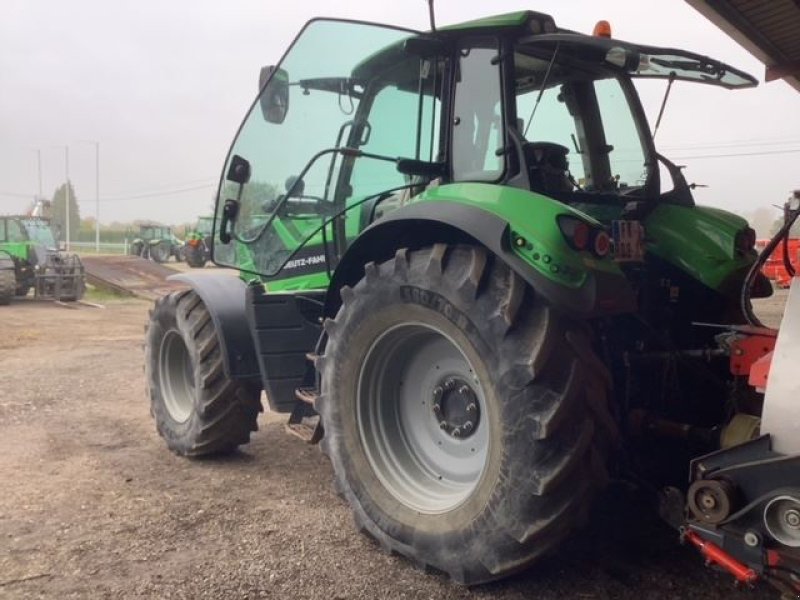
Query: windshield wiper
[[691, 66]]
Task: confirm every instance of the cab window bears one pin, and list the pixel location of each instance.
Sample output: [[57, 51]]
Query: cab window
[[478, 116]]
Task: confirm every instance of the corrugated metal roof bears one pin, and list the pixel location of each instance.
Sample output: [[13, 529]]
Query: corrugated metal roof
[[769, 29]]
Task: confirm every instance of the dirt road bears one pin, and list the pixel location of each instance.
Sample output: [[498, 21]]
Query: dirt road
[[92, 505]]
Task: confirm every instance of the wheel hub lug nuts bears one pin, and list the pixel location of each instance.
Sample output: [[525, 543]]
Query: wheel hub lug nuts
[[443, 425], [437, 408], [463, 390], [456, 432], [793, 519], [437, 392], [449, 384], [468, 426], [472, 407]]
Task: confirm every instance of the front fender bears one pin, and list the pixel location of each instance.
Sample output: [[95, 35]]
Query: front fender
[[576, 286], [224, 297]]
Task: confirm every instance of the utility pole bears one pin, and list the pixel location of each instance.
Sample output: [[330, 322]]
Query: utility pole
[[39, 161], [66, 208], [96, 145], [97, 197]]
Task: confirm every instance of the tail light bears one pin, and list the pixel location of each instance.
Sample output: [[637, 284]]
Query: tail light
[[582, 236], [602, 244]]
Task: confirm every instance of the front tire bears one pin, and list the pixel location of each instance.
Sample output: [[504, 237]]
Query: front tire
[[466, 421], [198, 410]]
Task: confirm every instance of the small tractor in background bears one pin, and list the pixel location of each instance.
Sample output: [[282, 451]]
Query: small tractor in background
[[198, 243], [158, 243], [468, 274], [30, 259]]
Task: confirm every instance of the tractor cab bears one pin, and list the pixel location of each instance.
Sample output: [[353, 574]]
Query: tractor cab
[[158, 243], [38, 264], [514, 104]]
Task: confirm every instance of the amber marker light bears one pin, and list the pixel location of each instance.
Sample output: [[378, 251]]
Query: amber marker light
[[602, 29]]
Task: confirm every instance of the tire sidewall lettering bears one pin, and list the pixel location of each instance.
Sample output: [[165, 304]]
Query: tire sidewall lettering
[[414, 295]]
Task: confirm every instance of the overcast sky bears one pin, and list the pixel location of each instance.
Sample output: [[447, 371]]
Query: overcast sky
[[162, 86]]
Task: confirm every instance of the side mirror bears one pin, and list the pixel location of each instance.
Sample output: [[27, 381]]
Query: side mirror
[[274, 98]]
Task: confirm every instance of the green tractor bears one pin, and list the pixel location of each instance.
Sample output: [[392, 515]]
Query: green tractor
[[468, 274], [158, 243], [30, 259], [198, 243]]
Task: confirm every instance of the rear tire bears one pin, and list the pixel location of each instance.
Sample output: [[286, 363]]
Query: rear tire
[[8, 286], [196, 257], [160, 252], [198, 410], [509, 487]]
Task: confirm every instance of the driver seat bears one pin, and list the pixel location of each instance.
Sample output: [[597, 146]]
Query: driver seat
[[548, 167]]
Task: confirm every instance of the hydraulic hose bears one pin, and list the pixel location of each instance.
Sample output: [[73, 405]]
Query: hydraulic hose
[[790, 216]]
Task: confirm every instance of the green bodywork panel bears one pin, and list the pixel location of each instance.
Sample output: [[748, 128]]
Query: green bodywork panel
[[317, 281], [699, 240], [533, 219], [244, 259], [18, 250], [535, 236]]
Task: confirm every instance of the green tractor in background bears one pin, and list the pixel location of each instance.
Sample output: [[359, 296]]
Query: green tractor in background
[[30, 259], [198, 243], [466, 271], [158, 243]]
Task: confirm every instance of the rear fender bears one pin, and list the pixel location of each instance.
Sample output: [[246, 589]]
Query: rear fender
[[424, 223]]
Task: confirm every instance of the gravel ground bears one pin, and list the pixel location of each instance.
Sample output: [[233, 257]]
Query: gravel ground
[[94, 506]]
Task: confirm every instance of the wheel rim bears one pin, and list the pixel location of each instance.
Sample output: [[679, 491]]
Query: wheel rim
[[421, 417], [176, 375]]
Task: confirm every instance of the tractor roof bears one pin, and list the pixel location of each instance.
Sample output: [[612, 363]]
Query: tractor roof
[[534, 21], [537, 33]]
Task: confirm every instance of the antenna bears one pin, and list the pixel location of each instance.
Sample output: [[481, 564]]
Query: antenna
[[432, 16]]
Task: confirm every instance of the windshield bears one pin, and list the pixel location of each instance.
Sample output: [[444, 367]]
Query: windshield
[[341, 84], [39, 232]]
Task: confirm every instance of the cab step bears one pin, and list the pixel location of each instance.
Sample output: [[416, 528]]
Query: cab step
[[307, 395], [304, 422]]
